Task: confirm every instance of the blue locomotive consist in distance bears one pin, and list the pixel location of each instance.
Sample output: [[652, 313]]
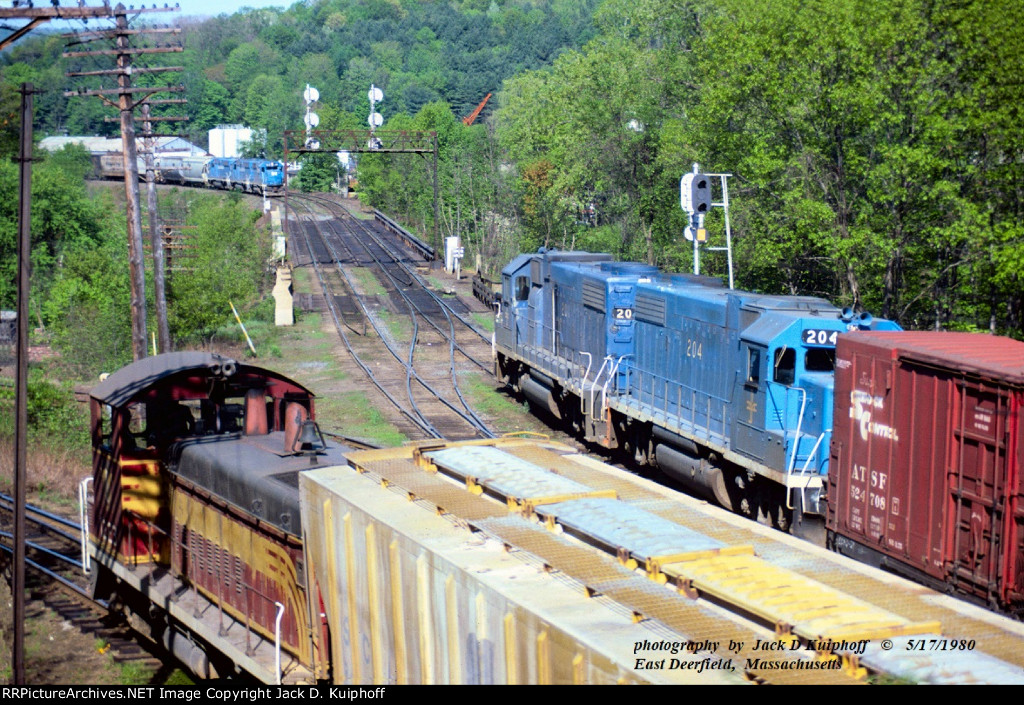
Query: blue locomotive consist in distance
[[728, 392], [257, 176]]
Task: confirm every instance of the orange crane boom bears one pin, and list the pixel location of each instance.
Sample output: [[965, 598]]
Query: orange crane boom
[[468, 120]]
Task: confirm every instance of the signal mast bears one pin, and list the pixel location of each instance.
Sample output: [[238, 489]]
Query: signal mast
[[695, 199]]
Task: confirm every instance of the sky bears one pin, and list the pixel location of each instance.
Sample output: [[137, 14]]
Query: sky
[[192, 8], [189, 8]]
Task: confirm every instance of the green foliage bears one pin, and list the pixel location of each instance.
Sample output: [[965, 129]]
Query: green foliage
[[848, 124], [63, 218], [228, 266], [88, 311], [53, 411], [320, 172], [875, 147]]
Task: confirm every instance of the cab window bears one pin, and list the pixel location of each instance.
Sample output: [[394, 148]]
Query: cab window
[[785, 366], [753, 366], [820, 360], [522, 288]]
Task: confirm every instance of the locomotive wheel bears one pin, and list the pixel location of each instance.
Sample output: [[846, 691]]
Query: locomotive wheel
[[780, 515], [741, 495]]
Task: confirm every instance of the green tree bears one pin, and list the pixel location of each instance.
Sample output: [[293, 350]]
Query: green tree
[[89, 301], [319, 172], [228, 263]]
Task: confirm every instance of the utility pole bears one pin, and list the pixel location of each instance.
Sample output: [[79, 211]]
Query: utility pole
[[155, 239], [127, 101], [21, 382], [35, 17], [131, 188], [38, 15]]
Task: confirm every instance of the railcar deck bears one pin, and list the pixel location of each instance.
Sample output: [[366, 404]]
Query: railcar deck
[[664, 560]]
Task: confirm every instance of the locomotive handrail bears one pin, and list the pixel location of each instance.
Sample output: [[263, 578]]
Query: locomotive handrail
[[153, 528], [611, 375], [593, 390], [810, 457], [586, 373], [83, 519], [692, 407], [277, 640], [799, 425], [803, 472], [250, 650]]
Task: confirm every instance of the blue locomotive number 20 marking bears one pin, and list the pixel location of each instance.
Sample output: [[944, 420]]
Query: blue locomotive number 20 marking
[[623, 314], [815, 336]]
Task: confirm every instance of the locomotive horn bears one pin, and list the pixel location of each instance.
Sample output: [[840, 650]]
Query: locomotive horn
[[864, 320], [223, 367], [847, 314]]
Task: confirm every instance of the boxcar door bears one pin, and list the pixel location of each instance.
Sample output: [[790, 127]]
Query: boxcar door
[[981, 486]]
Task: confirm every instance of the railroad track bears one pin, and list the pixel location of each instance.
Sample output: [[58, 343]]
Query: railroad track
[[57, 581], [410, 342]]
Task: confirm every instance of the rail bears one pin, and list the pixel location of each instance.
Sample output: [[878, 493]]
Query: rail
[[425, 250], [612, 375], [586, 374], [83, 520], [593, 389], [799, 425], [814, 450], [53, 559], [277, 640]]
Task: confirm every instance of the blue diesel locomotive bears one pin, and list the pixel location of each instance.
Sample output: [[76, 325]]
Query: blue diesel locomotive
[[728, 392], [257, 176], [250, 175]]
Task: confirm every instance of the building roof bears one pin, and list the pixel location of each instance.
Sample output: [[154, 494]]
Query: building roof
[[105, 145]]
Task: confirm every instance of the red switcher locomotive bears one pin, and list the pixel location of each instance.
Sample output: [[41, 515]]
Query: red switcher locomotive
[[195, 525], [926, 475]]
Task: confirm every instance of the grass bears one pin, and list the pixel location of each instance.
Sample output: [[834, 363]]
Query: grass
[[437, 284], [368, 283], [400, 327], [361, 419], [485, 321], [52, 471], [482, 393], [134, 673]]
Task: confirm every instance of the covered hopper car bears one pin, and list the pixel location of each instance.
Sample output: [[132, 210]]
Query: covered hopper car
[[225, 523]]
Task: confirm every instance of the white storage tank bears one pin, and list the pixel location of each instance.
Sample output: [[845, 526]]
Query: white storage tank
[[225, 140]]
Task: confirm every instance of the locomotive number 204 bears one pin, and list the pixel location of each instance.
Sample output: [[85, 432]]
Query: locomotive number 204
[[816, 336]]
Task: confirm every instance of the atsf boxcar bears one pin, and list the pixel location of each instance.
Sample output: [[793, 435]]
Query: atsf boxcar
[[927, 459]]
